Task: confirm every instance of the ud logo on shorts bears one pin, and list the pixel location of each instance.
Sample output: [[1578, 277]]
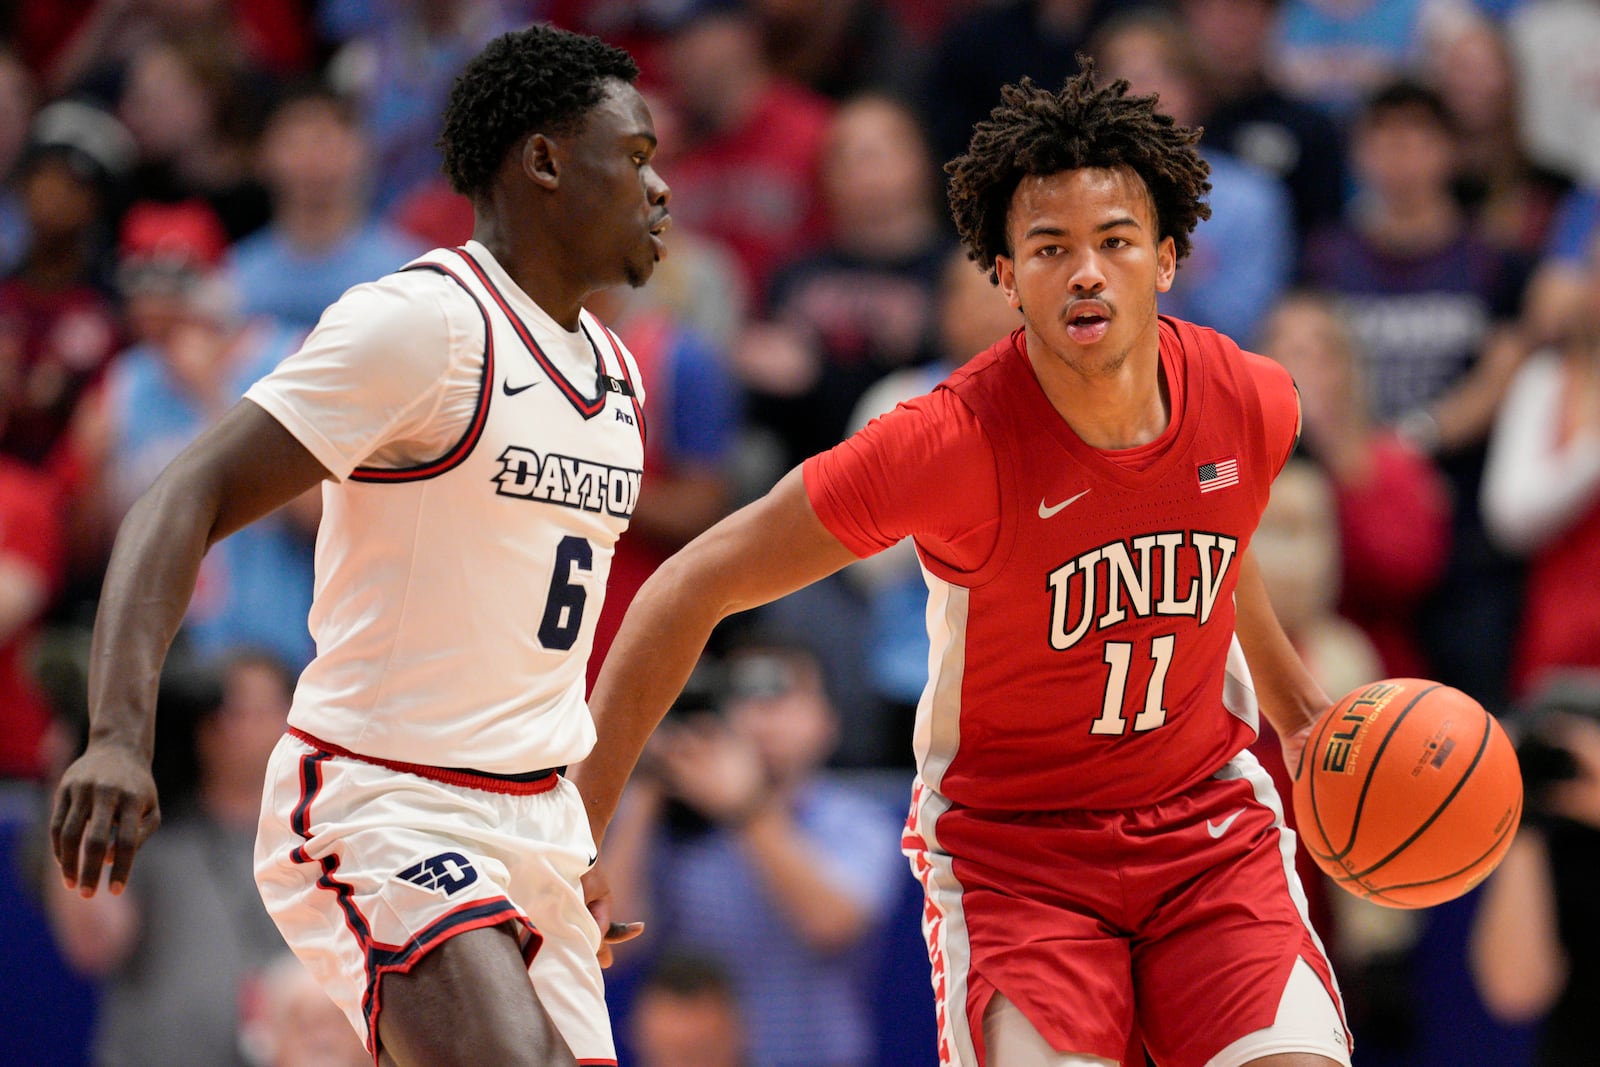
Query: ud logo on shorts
[[448, 872]]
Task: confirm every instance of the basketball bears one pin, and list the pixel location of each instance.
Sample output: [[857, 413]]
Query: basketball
[[1408, 793]]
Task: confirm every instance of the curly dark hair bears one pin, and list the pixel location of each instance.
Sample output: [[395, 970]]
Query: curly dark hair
[[540, 78], [1037, 132]]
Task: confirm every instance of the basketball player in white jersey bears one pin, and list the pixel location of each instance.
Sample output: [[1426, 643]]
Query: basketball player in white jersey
[[478, 440]]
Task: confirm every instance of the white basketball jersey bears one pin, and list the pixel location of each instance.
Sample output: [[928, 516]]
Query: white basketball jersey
[[456, 599]]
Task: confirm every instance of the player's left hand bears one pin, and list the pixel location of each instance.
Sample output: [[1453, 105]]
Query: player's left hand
[[1294, 745], [597, 896]]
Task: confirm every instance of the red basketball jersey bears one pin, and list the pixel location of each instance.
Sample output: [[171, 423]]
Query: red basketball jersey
[[1080, 601]]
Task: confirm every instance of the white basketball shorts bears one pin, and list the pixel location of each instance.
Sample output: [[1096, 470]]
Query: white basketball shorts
[[367, 867]]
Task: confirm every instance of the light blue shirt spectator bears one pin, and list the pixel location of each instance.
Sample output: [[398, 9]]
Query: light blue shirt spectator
[[1243, 255], [295, 286], [1333, 53], [802, 1007]]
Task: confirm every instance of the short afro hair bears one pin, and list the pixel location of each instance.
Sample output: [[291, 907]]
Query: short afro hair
[[537, 79], [1085, 125]]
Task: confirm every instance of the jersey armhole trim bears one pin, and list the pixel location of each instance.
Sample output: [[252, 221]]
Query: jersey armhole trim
[[469, 440]]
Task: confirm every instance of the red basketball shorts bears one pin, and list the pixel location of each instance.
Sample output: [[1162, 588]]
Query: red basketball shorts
[[1178, 922]]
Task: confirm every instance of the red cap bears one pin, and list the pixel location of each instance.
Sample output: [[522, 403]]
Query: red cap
[[187, 233]]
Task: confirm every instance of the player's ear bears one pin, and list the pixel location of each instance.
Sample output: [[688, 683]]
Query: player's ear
[[1006, 276], [539, 163], [1166, 264]]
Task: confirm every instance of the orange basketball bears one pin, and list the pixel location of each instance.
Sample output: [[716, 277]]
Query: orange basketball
[[1408, 793]]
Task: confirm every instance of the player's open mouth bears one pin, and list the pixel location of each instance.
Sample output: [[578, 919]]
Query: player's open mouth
[[1088, 325]]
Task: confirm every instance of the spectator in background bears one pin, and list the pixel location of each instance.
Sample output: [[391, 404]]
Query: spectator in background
[[735, 846], [1556, 44], [16, 113], [863, 305], [1243, 255], [1560, 277], [686, 1014], [1393, 504], [972, 315], [1247, 115], [1432, 306], [1336, 53], [31, 549], [83, 38], [746, 170], [176, 950], [840, 48], [194, 113], [288, 1021], [1541, 492], [323, 238], [58, 329], [398, 66], [1300, 553], [197, 356], [1535, 948], [996, 45], [1512, 200]]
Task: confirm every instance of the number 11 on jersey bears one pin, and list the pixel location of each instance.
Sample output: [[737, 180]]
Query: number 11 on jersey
[[1119, 657]]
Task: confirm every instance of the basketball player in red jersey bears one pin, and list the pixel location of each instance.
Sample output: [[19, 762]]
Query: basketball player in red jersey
[[1104, 862], [478, 439]]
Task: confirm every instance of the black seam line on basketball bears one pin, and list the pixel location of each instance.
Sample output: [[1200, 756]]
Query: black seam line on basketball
[[1502, 839], [1477, 758], [1319, 738], [1361, 799], [1383, 895], [1360, 888]]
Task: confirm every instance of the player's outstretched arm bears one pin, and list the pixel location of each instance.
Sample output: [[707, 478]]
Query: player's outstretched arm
[[761, 552], [237, 471], [1289, 696]]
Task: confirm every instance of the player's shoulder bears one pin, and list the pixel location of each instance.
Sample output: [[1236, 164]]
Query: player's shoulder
[[416, 296], [1224, 354]]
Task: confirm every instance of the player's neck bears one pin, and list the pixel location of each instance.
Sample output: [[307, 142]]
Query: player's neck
[[538, 274], [1124, 405]]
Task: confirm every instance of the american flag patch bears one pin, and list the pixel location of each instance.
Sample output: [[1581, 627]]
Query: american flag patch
[[1218, 474]]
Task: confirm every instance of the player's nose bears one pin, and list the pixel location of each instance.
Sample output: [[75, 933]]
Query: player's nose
[[656, 190]]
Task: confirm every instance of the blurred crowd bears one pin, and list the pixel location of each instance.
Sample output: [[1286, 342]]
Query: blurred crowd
[[1406, 213]]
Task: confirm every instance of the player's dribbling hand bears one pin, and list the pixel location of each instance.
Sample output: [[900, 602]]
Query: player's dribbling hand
[[597, 896], [105, 808], [1293, 745]]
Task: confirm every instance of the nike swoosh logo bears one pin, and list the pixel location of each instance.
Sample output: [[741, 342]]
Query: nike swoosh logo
[[506, 388], [594, 859], [1045, 511], [1218, 829]]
